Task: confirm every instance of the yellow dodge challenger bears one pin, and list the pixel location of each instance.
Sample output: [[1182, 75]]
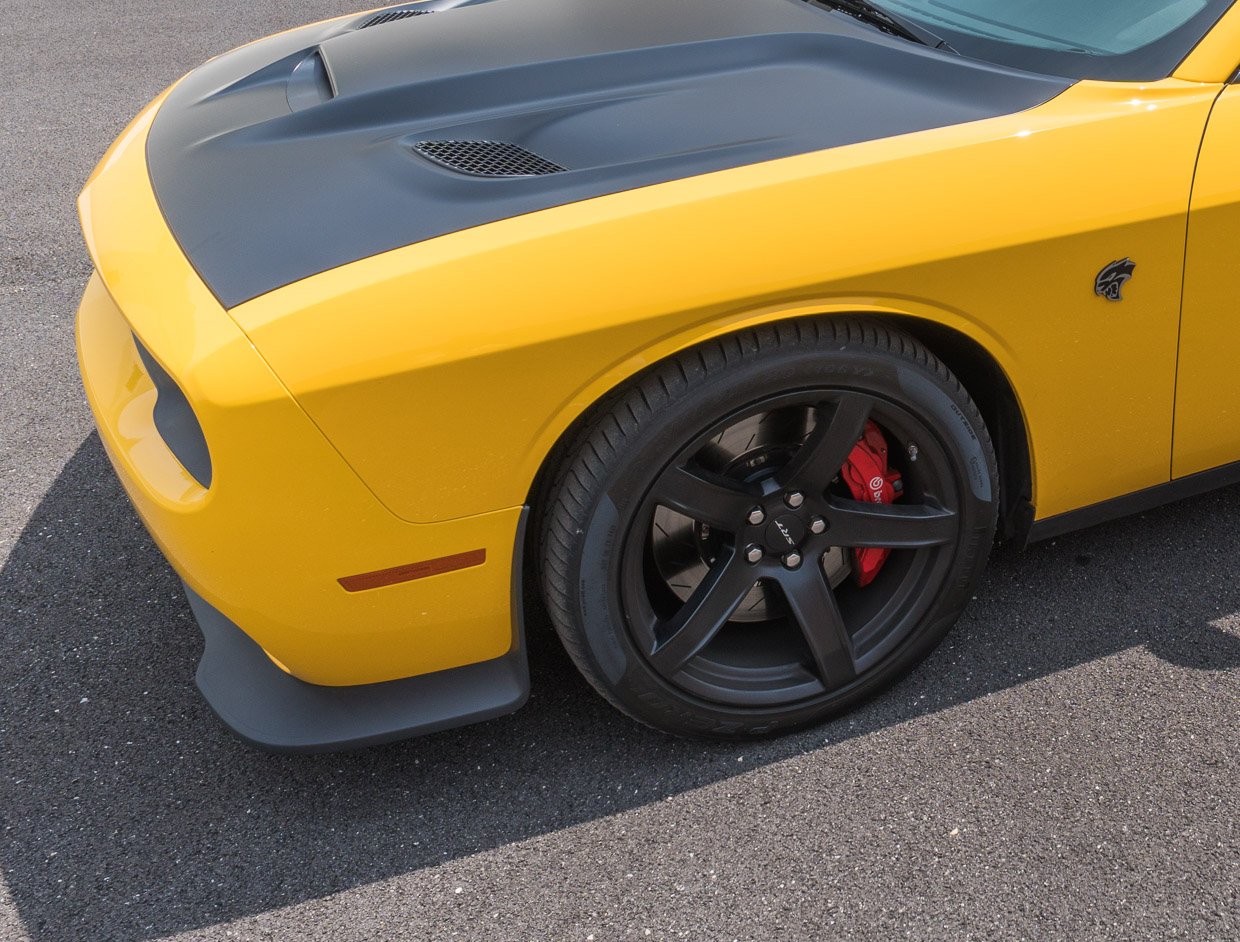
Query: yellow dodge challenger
[[733, 332]]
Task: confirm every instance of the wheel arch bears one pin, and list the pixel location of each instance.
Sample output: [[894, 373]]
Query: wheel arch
[[990, 387], [977, 367]]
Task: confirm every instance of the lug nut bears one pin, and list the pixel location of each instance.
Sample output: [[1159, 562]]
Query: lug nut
[[754, 554], [792, 560], [794, 499], [818, 525], [756, 516]]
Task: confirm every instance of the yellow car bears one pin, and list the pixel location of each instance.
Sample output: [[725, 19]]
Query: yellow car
[[731, 331]]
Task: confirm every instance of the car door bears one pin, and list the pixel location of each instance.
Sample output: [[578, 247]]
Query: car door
[[1207, 411]]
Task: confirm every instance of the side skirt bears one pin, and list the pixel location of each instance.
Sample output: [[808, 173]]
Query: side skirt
[[1135, 503]]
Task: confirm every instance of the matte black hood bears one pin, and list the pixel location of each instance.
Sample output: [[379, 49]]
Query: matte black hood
[[301, 153]]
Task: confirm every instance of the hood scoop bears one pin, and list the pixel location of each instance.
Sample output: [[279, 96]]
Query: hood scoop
[[392, 16], [486, 158]]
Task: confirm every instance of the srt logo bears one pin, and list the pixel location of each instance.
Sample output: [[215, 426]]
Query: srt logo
[[1111, 280], [786, 532]]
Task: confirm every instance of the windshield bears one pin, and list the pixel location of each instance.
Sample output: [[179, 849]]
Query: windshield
[[1132, 40]]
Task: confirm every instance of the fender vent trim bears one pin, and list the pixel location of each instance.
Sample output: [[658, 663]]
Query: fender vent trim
[[487, 158]]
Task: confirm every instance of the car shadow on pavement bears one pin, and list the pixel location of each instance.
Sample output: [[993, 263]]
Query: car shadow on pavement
[[130, 813]]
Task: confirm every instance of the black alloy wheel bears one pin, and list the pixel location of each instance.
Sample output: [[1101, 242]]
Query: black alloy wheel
[[700, 546]]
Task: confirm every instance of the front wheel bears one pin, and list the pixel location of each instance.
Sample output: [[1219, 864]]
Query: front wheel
[[770, 527]]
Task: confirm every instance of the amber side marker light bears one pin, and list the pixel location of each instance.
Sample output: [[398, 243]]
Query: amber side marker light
[[412, 571]]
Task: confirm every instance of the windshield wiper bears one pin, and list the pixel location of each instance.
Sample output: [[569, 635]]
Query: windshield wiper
[[888, 22]]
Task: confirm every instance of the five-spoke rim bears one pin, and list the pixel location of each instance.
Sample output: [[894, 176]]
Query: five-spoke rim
[[773, 527]]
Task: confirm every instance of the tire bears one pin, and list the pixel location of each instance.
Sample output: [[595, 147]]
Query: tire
[[648, 528]]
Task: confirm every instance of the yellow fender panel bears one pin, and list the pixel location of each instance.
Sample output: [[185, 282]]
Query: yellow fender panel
[[445, 372]]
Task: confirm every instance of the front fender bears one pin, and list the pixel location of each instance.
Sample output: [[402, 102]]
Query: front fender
[[446, 371]]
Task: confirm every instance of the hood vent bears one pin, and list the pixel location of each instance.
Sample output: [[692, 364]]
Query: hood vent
[[486, 158], [391, 16]]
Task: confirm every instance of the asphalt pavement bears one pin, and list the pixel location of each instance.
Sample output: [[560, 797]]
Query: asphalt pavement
[[1066, 767]]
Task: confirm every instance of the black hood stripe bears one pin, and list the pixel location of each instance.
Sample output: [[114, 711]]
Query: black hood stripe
[[268, 173]]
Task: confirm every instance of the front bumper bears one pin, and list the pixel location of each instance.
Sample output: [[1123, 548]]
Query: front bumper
[[284, 518], [273, 710]]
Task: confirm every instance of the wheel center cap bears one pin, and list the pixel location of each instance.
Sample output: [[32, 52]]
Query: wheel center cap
[[785, 533]]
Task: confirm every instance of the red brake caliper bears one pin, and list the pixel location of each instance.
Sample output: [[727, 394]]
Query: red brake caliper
[[870, 479]]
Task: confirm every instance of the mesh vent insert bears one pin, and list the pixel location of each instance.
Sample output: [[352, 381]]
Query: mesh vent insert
[[380, 18], [486, 158]]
